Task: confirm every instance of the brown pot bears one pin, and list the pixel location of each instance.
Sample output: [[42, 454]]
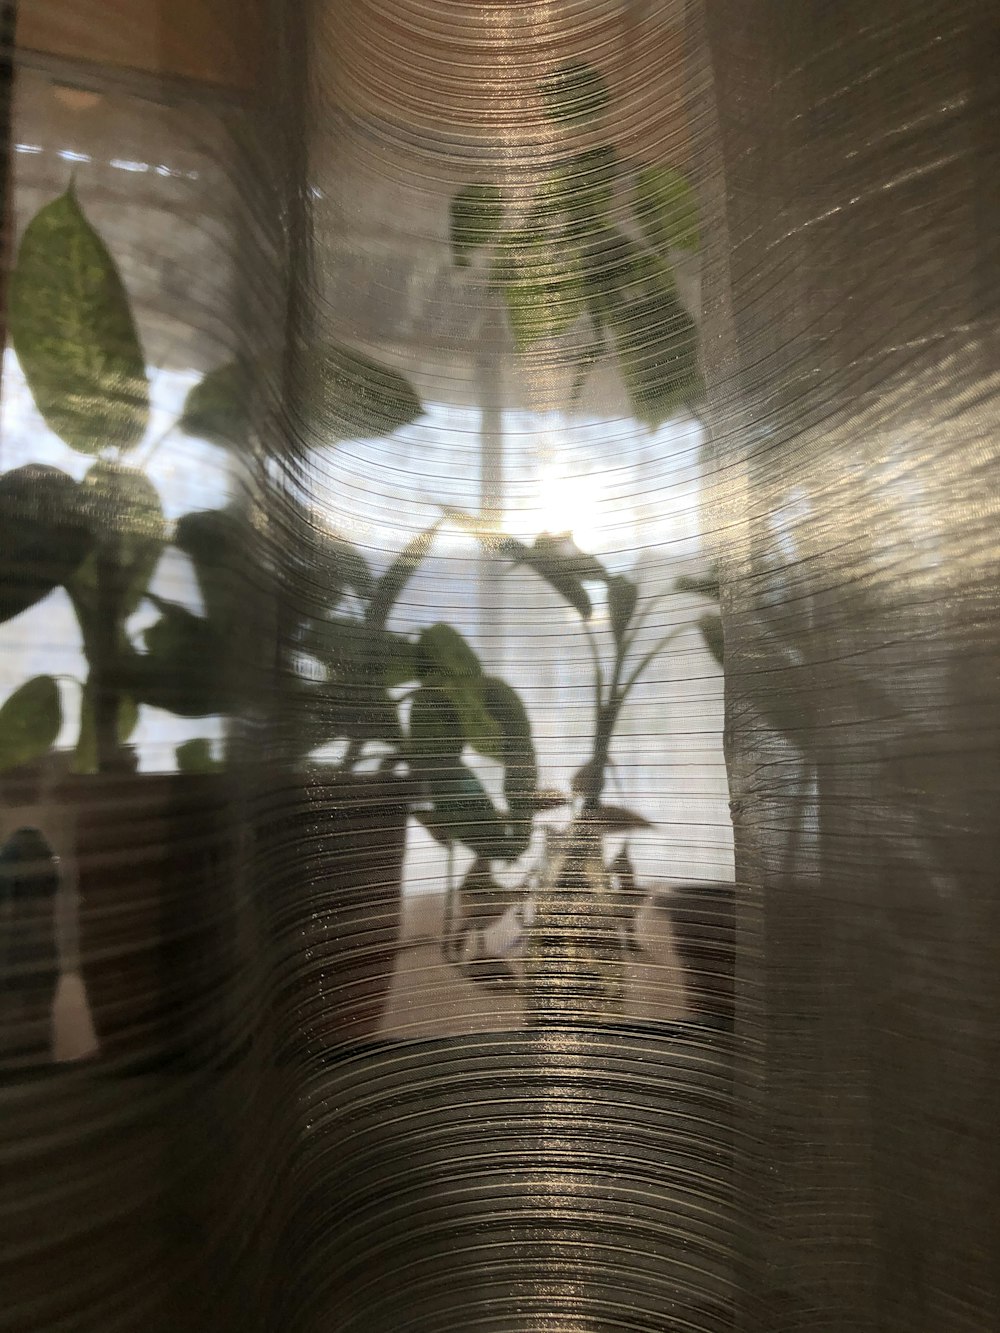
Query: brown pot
[[703, 919], [335, 870], [155, 864], [151, 857]]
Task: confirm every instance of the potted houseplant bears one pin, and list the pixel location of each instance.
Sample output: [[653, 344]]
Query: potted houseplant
[[382, 722], [592, 264], [146, 845], [581, 923], [100, 539], [76, 338]]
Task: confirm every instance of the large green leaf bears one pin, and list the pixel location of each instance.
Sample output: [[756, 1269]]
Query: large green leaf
[[345, 395], [707, 585], [622, 597], [559, 561], [446, 662], [573, 94], [217, 408], [72, 328], [186, 666], [442, 651], [657, 345], [463, 812], [212, 539], [391, 585], [30, 720], [475, 214], [614, 268], [666, 209], [436, 732], [196, 757], [45, 535], [123, 512], [581, 192], [542, 285], [517, 754], [357, 398]]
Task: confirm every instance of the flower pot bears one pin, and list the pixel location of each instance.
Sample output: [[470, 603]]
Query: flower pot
[[336, 873], [575, 963], [154, 864], [703, 919], [140, 911]]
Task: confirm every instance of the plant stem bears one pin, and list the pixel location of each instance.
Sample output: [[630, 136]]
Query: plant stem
[[104, 693]]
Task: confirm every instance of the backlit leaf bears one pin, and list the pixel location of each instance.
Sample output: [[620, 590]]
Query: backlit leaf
[[573, 94], [622, 595], [666, 209], [30, 721], [45, 536], [123, 512], [73, 330]]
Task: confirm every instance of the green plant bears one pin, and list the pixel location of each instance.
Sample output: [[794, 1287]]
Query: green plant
[[590, 263], [76, 338], [415, 702], [618, 667]]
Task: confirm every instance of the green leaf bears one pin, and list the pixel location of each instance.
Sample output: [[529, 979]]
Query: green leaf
[[705, 586], [352, 397], [345, 395], [212, 539], [463, 812], [614, 269], [217, 408], [622, 595], [436, 732], [559, 561], [442, 651], [711, 632], [666, 209], [516, 749], [517, 754], [476, 214], [196, 757], [186, 666], [542, 286], [582, 191], [123, 512], [446, 661], [391, 585], [72, 328], [573, 94], [657, 345], [45, 535], [128, 718], [616, 819], [30, 721]]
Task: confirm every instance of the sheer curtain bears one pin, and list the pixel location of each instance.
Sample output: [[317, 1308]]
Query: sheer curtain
[[855, 289], [833, 1165]]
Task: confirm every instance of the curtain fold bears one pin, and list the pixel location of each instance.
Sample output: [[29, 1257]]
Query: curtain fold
[[268, 1164], [859, 414]]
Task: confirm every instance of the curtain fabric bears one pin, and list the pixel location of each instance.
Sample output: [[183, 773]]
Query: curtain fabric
[[855, 294], [834, 1164]]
